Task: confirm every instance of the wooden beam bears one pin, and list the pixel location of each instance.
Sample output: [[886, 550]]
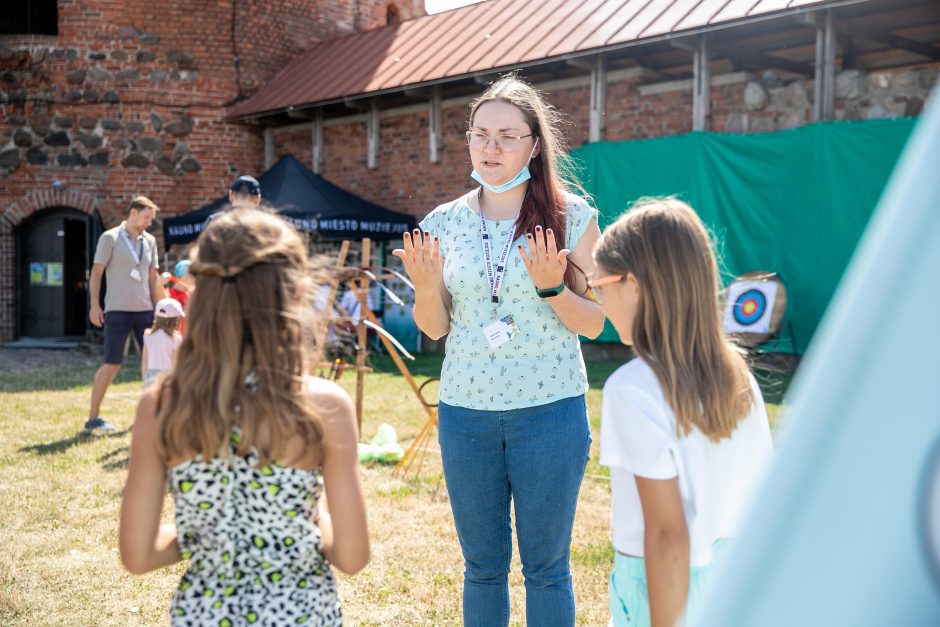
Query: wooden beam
[[420, 92], [751, 59], [372, 135], [701, 84], [316, 142], [597, 118], [824, 82], [268, 147], [885, 38], [301, 114], [926, 50], [360, 104], [435, 125], [584, 63]]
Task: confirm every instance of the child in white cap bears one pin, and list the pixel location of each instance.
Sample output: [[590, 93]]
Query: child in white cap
[[161, 340]]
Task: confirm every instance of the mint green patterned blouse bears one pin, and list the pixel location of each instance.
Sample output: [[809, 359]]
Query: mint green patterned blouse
[[543, 363]]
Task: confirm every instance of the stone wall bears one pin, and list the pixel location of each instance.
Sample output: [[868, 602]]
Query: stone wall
[[130, 98], [636, 108]]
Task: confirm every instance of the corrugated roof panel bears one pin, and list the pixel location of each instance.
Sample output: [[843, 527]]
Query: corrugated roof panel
[[432, 32], [640, 23], [617, 21], [455, 43], [561, 35], [735, 9], [503, 30], [546, 25], [465, 40], [590, 22], [408, 38], [670, 18], [766, 6], [354, 74], [512, 36], [703, 13]]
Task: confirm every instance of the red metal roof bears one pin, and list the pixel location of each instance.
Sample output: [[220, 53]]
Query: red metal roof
[[486, 36]]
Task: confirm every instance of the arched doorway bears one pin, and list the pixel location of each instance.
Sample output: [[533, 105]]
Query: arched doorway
[[55, 249]]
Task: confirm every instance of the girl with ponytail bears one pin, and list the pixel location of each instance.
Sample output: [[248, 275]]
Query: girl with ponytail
[[246, 443]]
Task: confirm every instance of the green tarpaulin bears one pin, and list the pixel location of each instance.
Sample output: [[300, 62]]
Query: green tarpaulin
[[793, 202]]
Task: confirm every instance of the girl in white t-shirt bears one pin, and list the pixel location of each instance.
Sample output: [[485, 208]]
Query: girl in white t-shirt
[[684, 429], [161, 340]]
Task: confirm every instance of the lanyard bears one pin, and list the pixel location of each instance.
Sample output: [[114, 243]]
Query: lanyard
[[135, 254], [495, 277]]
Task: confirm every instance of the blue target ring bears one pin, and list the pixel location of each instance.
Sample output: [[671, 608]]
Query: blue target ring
[[750, 307]]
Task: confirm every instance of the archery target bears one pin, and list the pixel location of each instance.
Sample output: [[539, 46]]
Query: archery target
[[749, 305]]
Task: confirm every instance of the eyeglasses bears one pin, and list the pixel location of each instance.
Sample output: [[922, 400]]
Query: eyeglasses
[[504, 143], [597, 284]]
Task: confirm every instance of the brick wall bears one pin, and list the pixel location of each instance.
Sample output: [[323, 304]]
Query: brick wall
[[130, 98], [743, 102]]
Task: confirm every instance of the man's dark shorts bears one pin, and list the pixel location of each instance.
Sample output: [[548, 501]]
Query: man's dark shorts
[[117, 324]]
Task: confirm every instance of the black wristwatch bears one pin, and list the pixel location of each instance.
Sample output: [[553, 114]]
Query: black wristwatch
[[548, 292]]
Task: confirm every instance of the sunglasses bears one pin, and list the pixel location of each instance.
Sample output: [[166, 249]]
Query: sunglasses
[[596, 285]]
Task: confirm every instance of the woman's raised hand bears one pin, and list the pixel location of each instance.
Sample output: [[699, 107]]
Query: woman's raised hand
[[545, 263], [422, 259]]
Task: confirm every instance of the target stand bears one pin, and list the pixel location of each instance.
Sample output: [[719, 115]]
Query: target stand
[[755, 304]]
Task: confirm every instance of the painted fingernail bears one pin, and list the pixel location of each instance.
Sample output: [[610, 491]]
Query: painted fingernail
[[407, 234], [435, 238], [538, 228], [529, 235], [549, 231], [427, 234]]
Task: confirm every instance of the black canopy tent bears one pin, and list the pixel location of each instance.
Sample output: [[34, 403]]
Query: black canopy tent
[[309, 202]]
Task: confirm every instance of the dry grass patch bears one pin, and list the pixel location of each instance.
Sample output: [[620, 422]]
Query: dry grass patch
[[60, 497]]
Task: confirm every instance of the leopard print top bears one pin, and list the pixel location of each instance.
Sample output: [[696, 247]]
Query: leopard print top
[[255, 554]]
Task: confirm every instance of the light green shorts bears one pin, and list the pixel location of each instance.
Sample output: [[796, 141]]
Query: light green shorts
[[629, 598]]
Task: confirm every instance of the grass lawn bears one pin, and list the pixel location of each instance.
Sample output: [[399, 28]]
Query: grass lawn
[[60, 492]]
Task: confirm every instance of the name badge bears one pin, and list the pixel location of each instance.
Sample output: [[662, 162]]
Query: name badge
[[135, 274], [500, 331]]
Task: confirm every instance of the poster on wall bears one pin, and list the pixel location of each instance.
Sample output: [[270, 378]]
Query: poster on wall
[[37, 273], [54, 274]]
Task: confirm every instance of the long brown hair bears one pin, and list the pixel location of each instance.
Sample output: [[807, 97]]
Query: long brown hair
[[677, 329], [243, 357], [551, 169]]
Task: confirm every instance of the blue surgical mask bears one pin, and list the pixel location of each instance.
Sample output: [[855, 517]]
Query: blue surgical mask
[[517, 180]]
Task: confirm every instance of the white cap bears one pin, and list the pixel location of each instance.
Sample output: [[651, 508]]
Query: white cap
[[168, 308]]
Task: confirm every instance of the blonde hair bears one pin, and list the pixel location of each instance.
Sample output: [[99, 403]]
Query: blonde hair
[[677, 329], [167, 325], [244, 355]]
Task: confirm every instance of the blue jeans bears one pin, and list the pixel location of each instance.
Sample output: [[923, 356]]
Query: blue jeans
[[534, 457]]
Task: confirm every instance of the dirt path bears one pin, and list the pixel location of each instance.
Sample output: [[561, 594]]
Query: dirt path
[[19, 358]]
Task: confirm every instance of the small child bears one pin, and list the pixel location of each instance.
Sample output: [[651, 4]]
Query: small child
[[248, 444], [161, 340], [684, 429]]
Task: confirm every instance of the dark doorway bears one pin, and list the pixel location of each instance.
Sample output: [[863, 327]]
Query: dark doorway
[[54, 261]]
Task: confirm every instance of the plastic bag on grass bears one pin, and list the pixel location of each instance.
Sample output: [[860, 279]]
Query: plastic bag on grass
[[383, 447]]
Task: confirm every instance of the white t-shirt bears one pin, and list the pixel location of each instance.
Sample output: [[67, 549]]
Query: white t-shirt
[[716, 479], [349, 302], [160, 349]]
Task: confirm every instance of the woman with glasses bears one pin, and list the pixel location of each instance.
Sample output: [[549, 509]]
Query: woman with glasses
[[684, 429], [501, 271]]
